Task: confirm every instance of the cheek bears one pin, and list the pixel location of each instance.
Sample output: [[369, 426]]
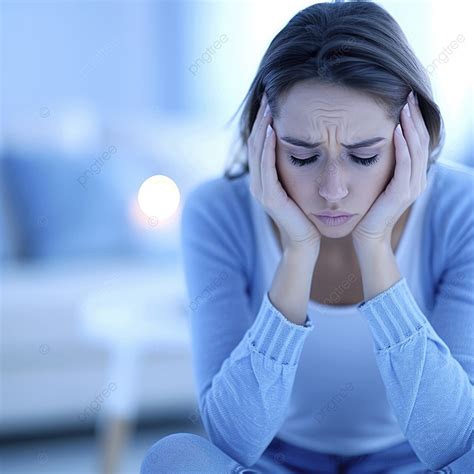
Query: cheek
[[367, 183], [284, 169], [293, 181], [387, 168], [374, 182], [288, 178]]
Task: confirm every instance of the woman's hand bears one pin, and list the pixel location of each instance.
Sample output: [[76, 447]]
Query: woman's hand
[[408, 182], [296, 229]]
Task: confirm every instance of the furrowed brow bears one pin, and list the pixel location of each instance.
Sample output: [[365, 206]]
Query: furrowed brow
[[304, 144]]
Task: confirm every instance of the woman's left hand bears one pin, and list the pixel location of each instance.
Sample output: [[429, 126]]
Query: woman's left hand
[[408, 182]]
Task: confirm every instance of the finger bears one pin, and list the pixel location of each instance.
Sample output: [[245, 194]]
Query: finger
[[412, 139], [255, 148], [259, 117], [402, 166], [268, 168], [423, 136], [418, 120], [260, 112], [256, 153]]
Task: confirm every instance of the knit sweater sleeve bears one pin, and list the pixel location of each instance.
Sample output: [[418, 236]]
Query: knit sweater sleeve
[[244, 364], [427, 362]]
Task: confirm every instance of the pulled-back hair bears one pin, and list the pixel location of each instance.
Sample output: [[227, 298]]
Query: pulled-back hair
[[353, 44]]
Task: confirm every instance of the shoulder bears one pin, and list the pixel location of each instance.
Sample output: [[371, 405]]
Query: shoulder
[[221, 201], [219, 192], [452, 204], [453, 193], [220, 209], [454, 179]]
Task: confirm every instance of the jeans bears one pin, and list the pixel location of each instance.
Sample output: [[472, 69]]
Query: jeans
[[185, 453]]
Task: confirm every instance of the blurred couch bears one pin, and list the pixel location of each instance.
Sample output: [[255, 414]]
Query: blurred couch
[[70, 230]]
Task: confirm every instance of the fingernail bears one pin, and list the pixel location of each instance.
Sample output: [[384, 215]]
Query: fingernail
[[407, 110], [269, 130], [267, 110], [398, 129]]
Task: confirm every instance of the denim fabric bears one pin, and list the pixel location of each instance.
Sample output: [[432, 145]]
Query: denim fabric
[[185, 453]]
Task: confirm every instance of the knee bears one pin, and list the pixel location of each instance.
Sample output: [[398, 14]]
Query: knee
[[173, 453]]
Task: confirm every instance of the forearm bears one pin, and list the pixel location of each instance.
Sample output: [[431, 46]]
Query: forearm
[[291, 286], [378, 267], [246, 403], [418, 370]]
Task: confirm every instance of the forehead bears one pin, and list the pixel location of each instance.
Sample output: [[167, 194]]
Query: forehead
[[309, 105]]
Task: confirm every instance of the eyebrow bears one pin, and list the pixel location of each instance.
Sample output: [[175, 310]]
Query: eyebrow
[[304, 144]]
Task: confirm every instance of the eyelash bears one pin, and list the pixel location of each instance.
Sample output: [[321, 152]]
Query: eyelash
[[362, 161]]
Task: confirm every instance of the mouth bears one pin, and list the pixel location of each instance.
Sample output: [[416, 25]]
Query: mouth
[[328, 213], [334, 220]]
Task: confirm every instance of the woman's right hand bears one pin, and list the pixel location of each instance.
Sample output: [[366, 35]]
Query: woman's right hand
[[296, 229]]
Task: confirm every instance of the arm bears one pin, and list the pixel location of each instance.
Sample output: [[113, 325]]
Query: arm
[[244, 365], [429, 384], [291, 285]]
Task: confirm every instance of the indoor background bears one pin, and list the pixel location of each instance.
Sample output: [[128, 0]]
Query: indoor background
[[111, 111]]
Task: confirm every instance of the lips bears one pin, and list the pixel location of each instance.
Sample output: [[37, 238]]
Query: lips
[[335, 221], [334, 214]]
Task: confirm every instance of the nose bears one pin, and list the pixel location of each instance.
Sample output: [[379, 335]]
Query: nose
[[331, 183]]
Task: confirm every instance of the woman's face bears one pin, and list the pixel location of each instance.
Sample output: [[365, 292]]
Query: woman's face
[[331, 122]]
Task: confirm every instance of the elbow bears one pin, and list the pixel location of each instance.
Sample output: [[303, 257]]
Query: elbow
[[460, 461], [238, 453], [237, 447]]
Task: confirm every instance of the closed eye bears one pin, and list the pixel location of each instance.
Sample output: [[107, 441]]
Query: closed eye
[[357, 159]]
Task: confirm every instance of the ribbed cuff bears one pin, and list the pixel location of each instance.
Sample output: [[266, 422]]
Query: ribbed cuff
[[275, 336], [393, 315]]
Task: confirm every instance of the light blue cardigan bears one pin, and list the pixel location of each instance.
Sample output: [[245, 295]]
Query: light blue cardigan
[[245, 352]]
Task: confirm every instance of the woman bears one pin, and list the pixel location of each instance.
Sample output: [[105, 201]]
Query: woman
[[325, 343]]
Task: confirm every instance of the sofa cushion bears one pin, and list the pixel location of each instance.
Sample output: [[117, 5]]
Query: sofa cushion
[[69, 206], [8, 241]]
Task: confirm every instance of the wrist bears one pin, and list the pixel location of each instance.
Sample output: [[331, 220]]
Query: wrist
[[371, 246], [302, 254]]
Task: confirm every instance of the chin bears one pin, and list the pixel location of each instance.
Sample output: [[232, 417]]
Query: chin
[[335, 232]]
